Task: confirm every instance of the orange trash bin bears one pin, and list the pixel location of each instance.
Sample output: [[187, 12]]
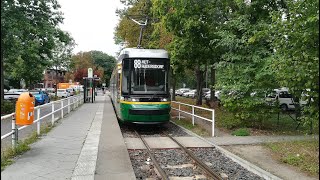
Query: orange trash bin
[[25, 109]]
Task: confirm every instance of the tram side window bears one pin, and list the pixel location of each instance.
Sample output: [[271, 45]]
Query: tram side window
[[125, 78]]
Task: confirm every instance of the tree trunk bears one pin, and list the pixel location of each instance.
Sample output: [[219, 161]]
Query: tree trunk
[[2, 69], [213, 82], [200, 78]]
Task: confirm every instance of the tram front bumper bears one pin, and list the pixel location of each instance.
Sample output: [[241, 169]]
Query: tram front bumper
[[145, 113]]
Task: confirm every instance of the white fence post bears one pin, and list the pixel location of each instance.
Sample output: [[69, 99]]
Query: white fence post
[[52, 116], [39, 121], [69, 105], [192, 115], [61, 108], [74, 102], [179, 111], [14, 136], [213, 123]]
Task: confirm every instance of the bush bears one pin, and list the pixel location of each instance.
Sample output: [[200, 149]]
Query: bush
[[241, 132], [54, 98], [7, 107], [226, 119]]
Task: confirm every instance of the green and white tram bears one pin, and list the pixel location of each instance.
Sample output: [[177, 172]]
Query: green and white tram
[[139, 86]]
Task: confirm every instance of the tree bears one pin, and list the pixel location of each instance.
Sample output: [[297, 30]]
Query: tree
[[62, 53], [245, 75], [128, 31], [101, 63], [188, 21], [106, 62], [28, 30], [296, 59]]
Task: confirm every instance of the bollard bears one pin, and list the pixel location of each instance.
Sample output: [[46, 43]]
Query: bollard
[[52, 116], [212, 123], [39, 121], [61, 109], [14, 136], [193, 115]]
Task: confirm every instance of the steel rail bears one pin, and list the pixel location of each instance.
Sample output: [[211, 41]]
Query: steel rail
[[205, 167], [156, 164]]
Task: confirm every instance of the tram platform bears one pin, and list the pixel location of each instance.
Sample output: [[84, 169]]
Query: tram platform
[[86, 144]]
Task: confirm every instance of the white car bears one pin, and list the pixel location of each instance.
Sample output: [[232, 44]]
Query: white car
[[216, 94], [71, 91], [191, 93], [51, 91], [63, 93], [180, 91], [285, 99]]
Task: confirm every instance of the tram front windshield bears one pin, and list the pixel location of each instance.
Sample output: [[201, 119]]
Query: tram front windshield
[[147, 76]]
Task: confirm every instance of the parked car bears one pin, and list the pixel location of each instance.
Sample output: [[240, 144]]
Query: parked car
[[11, 96], [41, 97], [51, 91], [180, 91], [63, 93], [216, 94], [285, 99], [71, 91], [191, 93]]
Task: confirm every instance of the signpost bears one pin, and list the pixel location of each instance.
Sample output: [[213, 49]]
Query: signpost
[[89, 85], [90, 73]]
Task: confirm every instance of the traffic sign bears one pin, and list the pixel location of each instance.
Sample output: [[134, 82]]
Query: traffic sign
[[90, 73]]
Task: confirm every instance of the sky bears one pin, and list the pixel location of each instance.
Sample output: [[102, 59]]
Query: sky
[[91, 23]]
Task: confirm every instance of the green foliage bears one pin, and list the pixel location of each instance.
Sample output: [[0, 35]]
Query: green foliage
[[7, 107], [128, 31], [296, 61], [29, 32], [241, 132], [227, 120], [101, 63], [252, 47], [104, 61]]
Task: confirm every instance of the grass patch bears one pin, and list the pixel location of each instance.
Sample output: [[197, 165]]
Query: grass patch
[[188, 125], [281, 124], [8, 155], [301, 154], [241, 132]]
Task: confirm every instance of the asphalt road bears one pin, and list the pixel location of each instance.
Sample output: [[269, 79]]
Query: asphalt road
[[6, 124]]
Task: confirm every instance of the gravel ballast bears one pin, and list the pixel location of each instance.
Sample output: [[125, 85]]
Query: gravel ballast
[[222, 164], [152, 130]]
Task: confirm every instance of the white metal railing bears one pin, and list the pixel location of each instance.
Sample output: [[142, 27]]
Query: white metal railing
[[193, 113], [76, 101]]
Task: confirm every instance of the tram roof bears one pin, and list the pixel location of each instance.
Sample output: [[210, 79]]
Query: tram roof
[[142, 53]]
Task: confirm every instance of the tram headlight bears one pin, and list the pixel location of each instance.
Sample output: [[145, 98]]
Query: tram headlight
[[133, 99], [164, 100]]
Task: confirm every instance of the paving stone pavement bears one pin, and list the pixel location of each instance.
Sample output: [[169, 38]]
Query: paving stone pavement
[[55, 155]]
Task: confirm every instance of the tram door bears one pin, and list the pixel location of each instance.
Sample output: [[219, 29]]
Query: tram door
[[118, 89]]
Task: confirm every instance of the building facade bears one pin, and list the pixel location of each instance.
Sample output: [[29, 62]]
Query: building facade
[[53, 77]]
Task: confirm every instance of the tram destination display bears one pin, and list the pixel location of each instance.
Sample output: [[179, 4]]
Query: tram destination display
[[147, 64]]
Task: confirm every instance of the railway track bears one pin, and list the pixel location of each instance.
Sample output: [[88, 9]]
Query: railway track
[[207, 172]]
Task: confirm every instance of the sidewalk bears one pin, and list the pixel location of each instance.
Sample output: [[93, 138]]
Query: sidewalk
[[55, 155]]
